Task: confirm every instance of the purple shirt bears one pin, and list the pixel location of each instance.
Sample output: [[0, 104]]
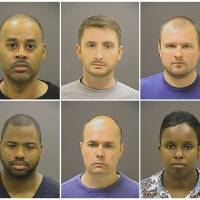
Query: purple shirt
[[124, 187], [155, 87]]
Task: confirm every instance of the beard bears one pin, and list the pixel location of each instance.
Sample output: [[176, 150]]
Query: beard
[[178, 74], [20, 174]]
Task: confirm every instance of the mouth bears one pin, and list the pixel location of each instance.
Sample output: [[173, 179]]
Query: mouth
[[99, 164], [99, 65], [20, 67], [178, 165], [178, 63], [19, 165]]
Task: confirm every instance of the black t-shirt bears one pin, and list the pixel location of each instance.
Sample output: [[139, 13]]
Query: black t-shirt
[[51, 93], [47, 189]]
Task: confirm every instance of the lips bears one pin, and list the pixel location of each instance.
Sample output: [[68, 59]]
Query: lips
[[178, 165], [20, 67], [99, 163], [19, 165]]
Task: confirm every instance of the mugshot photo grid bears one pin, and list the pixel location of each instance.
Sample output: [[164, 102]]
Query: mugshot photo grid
[[99, 99]]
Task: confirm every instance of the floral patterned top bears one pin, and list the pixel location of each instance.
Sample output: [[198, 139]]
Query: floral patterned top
[[151, 187]]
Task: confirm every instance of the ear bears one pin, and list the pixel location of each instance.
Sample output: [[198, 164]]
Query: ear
[[198, 155], [120, 52], [81, 147], [159, 147], [78, 50], [159, 48], [44, 50], [122, 147]]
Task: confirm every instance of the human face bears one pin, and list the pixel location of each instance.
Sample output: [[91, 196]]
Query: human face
[[179, 150], [20, 150], [99, 52], [101, 147], [179, 50], [21, 49]]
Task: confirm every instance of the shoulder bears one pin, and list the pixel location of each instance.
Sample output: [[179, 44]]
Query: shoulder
[[149, 186], [52, 92], [70, 85], [70, 187], [48, 188], [152, 79], [127, 90], [126, 187]]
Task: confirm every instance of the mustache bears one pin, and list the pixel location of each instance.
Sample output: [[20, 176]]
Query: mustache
[[19, 62], [17, 162], [98, 61]]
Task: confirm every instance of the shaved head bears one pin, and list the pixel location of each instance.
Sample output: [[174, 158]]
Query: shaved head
[[99, 123], [22, 16], [177, 23]]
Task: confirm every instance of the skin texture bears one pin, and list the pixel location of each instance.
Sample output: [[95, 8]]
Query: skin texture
[[99, 52], [21, 53], [101, 150], [179, 52], [20, 152], [179, 151]]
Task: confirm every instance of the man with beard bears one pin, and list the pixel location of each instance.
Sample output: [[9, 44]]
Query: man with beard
[[101, 147], [178, 47], [20, 151], [22, 50], [99, 49]]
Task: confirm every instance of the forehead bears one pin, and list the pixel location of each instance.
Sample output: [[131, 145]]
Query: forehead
[[21, 28], [99, 34], [21, 134], [179, 31], [101, 130], [180, 133]]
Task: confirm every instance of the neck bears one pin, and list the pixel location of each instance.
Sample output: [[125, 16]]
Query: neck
[[95, 82], [180, 186], [180, 82], [98, 181], [26, 187], [30, 90]]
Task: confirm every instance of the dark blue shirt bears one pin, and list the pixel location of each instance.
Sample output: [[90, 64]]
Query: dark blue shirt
[[47, 189]]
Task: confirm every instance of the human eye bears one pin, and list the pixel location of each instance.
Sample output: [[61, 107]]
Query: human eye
[[92, 144], [170, 146], [29, 146], [108, 45], [30, 46], [11, 145], [186, 46], [90, 45], [170, 46], [11, 45], [108, 146], [188, 146]]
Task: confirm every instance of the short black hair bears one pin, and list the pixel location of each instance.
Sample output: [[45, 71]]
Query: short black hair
[[21, 120], [25, 15], [178, 117]]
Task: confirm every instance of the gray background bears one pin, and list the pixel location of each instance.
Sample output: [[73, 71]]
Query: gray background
[[48, 15], [126, 14], [153, 15], [47, 115], [74, 116], [152, 115]]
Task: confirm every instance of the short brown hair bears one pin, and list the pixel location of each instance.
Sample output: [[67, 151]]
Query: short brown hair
[[183, 18], [100, 21]]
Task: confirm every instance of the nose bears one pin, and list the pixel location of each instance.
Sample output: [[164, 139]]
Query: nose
[[179, 154], [178, 53], [19, 153], [21, 53], [99, 55], [100, 152]]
